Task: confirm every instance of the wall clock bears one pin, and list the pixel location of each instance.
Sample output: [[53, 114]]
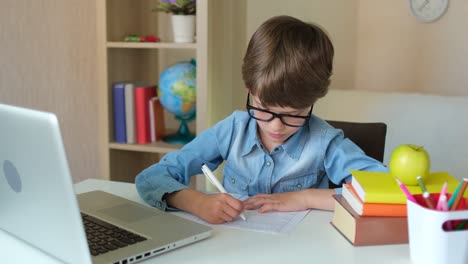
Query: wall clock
[[428, 10]]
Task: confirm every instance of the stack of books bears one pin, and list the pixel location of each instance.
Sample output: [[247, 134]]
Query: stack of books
[[372, 208]]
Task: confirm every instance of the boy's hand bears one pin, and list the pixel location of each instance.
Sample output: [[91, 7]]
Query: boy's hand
[[218, 208], [213, 208], [292, 201], [285, 202]]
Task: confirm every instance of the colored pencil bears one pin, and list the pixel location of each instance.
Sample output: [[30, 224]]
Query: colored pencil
[[443, 192], [406, 191], [426, 195], [459, 195]]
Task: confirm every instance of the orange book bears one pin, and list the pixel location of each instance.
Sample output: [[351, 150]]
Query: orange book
[[368, 230], [157, 124], [371, 209]]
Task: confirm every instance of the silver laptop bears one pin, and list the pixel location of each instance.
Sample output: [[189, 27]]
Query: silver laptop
[[38, 204]]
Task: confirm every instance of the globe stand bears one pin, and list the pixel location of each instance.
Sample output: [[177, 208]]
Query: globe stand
[[183, 134]]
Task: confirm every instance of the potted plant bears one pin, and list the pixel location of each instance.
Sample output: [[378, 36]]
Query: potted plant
[[183, 18]]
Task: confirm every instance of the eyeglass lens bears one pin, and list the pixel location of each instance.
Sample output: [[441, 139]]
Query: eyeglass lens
[[266, 116]]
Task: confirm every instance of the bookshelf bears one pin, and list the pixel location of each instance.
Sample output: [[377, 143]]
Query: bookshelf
[[132, 61]]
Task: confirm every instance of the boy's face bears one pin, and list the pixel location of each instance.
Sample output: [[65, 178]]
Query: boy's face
[[275, 132]]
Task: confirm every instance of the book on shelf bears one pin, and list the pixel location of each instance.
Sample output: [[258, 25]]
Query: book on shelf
[[157, 124], [368, 230], [143, 94], [130, 122], [118, 98], [130, 112], [381, 187], [371, 209]]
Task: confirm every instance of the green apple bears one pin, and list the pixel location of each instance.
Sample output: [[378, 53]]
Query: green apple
[[409, 161]]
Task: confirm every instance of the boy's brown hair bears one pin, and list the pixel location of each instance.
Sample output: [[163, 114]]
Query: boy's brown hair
[[288, 63]]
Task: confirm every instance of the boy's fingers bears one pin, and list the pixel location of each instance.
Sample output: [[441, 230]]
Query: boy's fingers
[[268, 207], [231, 212], [235, 204], [251, 205], [257, 201]]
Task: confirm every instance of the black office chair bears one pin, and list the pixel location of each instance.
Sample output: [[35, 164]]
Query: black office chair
[[370, 137]]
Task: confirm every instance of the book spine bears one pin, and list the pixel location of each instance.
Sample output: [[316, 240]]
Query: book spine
[[130, 113], [391, 210], [119, 113], [158, 119], [151, 114], [142, 120]]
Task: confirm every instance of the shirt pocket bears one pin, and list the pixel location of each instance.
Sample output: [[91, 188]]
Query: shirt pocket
[[292, 184], [235, 182]]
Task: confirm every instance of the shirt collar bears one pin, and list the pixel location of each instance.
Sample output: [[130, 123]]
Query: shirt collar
[[294, 146], [252, 137]]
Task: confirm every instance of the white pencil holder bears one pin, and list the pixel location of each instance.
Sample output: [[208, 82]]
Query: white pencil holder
[[429, 241]]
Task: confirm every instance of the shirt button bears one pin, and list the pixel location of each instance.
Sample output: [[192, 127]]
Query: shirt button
[[299, 186], [233, 181], [268, 164]]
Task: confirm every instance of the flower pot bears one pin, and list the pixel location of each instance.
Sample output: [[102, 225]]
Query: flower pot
[[183, 28]]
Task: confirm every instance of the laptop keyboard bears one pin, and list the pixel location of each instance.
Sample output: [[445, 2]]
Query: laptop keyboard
[[104, 237]]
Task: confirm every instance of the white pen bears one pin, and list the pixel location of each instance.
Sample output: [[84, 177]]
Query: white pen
[[209, 174]]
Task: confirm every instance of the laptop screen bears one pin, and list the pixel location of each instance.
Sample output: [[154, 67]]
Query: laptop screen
[[37, 200]]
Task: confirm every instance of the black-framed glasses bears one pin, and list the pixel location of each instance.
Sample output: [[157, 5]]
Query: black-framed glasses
[[267, 116]]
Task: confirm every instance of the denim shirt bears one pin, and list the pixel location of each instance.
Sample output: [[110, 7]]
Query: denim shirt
[[316, 153]]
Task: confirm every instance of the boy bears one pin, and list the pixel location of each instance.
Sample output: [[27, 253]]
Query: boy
[[278, 153]]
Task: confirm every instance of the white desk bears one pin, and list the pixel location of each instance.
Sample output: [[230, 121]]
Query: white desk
[[313, 241]]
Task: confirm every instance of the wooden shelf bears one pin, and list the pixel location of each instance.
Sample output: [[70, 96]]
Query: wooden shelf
[[156, 147], [119, 61], [152, 45]]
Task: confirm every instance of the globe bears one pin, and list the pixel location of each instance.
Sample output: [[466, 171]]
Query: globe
[[177, 93]]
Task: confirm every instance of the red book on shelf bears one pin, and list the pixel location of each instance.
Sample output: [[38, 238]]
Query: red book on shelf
[[143, 95]]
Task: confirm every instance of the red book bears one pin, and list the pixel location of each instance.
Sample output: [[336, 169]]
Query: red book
[[143, 95]]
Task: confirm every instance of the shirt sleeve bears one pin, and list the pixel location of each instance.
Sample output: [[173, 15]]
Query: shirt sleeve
[[342, 156], [173, 172]]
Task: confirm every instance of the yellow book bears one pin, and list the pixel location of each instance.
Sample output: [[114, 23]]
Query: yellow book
[[381, 187]]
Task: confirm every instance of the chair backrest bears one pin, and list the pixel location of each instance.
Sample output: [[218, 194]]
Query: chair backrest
[[370, 137]]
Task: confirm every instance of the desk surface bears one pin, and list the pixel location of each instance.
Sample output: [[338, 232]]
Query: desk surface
[[313, 241]]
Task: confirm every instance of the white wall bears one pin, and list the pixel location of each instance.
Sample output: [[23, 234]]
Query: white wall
[[337, 17], [438, 123], [395, 52], [380, 46], [47, 51]]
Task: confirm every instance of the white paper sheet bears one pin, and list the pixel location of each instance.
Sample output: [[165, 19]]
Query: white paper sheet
[[271, 222]]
